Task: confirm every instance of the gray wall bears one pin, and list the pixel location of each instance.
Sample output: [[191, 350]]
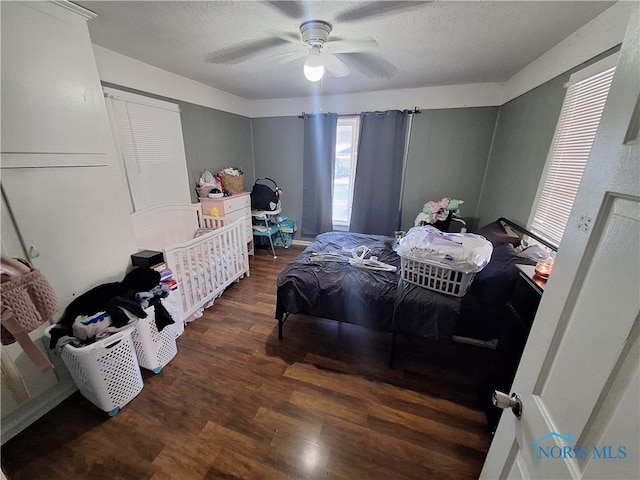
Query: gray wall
[[447, 157], [278, 144], [523, 136], [448, 154], [213, 140]]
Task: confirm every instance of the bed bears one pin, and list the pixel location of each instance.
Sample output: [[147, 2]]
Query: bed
[[206, 254], [381, 300]]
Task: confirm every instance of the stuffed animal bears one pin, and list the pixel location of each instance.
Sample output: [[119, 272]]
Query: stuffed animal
[[110, 298]]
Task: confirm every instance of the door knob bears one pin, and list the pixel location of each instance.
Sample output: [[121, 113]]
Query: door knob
[[514, 402]]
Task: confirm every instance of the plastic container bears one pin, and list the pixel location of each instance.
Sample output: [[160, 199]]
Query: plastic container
[[288, 226], [154, 349], [434, 276], [106, 372]]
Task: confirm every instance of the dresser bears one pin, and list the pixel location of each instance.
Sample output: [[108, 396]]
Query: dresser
[[236, 206]]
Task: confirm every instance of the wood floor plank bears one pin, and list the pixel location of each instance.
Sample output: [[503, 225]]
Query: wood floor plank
[[440, 430], [237, 402], [230, 464], [337, 432], [175, 461], [302, 458], [287, 425], [352, 411], [223, 437]]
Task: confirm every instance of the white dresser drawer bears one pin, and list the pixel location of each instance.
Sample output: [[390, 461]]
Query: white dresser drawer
[[227, 205], [235, 203]]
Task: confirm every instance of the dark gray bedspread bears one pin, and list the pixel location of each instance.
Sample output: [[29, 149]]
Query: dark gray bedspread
[[373, 299]]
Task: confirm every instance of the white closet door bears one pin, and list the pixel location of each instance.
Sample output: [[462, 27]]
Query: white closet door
[[71, 225]]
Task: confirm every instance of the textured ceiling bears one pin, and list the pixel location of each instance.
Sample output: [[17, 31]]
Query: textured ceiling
[[430, 43]]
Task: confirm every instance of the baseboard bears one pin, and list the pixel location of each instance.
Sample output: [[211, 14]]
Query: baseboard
[[21, 418], [492, 344]]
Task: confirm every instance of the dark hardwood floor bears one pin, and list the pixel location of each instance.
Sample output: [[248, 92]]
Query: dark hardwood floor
[[236, 402]]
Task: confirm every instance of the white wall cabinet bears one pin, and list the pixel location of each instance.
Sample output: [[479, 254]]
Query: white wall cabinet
[[49, 93], [60, 186]]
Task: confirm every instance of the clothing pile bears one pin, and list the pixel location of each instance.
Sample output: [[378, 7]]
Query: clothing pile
[[111, 307], [438, 211]]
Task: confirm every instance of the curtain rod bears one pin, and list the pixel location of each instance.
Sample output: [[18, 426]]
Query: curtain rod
[[414, 111]]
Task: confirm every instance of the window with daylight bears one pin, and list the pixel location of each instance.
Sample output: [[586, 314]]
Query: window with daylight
[[584, 102], [344, 174], [148, 136]]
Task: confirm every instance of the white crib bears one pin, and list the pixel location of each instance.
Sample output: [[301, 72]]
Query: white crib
[[203, 266]]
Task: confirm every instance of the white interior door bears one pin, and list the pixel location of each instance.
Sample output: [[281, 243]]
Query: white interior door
[[579, 373]]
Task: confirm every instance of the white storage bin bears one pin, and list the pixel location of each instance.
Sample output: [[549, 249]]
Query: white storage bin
[[154, 349], [106, 372], [435, 276]]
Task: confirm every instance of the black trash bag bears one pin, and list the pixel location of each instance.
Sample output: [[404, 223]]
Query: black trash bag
[[265, 198]]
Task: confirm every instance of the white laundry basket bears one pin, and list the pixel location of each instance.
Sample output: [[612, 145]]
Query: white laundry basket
[[435, 276], [106, 372], [154, 349]]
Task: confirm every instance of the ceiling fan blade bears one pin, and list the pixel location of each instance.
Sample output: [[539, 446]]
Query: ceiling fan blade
[[292, 9], [352, 45], [370, 64], [284, 35], [375, 9], [283, 58], [334, 65], [243, 51]]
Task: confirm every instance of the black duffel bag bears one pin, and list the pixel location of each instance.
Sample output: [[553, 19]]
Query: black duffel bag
[[265, 198]]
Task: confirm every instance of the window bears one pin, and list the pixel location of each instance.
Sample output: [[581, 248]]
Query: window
[[576, 130], [344, 174], [148, 136]]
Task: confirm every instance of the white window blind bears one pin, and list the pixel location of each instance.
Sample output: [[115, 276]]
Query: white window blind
[[569, 152], [148, 134]]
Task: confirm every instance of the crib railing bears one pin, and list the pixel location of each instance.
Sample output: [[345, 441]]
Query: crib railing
[[209, 221], [205, 266]]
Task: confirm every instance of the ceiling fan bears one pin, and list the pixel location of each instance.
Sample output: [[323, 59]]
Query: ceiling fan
[[338, 56]]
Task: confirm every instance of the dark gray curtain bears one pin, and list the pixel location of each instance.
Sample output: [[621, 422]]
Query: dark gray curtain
[[378, 184], [317, 186]]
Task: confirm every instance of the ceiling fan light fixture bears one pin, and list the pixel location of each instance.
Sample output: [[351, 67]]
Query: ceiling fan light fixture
[[313, 68]]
